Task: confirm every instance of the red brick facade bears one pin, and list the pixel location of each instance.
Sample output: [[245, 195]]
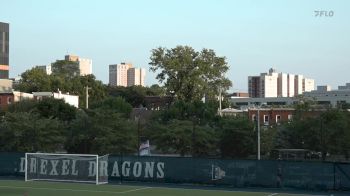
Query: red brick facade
[[271, 116], [5, 100]]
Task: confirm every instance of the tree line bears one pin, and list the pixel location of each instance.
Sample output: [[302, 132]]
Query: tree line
[[190, 126]]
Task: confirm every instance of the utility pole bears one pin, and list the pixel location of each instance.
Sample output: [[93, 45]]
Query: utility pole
[[87, 96], [220, 113], [258, 133]]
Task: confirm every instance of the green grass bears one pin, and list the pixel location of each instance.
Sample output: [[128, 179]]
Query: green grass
[[21, 188]]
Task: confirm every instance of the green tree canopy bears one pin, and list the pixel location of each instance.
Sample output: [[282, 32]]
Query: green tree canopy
[[237, 139], [188, 74], [328, 133], [182, 137], [28, 132], [65, 69], [34, 80], [117, 104], [101, 131]]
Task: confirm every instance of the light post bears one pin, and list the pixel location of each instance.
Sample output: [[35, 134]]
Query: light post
[[258, 132], [87, 88], [220, 97], [138, 133], [259, 142]]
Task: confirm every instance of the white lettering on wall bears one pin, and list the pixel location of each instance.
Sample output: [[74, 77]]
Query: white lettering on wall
[[126, 168], [160, 167], [137, 169], [32, 165], [149, 169], [22, 164], [43, 164], [74, 169], [103, 165], [65, 170], [54, 164], [92, 168], [115, 171]]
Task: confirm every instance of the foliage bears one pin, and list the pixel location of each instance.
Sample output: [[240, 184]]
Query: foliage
[[56, 108], [182, 137], [117, 104], [65, 69], [101, 131], [328, 133], [236, 137], [34, 80], [46, 108], [135, 95], [27, 132], [27, 105], [197, 111], [188, 74]]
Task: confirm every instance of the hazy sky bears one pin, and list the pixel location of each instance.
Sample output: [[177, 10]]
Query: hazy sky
[[253, 35]]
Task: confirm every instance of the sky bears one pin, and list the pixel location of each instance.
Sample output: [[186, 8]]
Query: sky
[[254, 35]]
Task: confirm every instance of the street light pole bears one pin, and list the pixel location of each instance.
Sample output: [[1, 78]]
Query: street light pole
[[87, 96], [220, 107], [258, 133]]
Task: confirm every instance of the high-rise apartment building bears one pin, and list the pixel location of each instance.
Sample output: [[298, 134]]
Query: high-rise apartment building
[[118, 74], [4, 50], [136, 76], [124, 74], [254, 86], [275, 84], [269, 84], [85, 65]]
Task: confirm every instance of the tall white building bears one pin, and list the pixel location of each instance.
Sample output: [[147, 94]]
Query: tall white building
[[118, 74], [269, 84], [308, 85], [136, 76], [298, 84], [275, 84]]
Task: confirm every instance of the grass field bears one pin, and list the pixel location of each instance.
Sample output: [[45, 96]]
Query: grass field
[[21, 188]]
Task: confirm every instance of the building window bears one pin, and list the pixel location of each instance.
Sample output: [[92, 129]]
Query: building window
[[278, 119], [266, 120], [290, 117], [9, 100]]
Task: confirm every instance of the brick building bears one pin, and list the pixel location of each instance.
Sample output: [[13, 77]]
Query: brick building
[[273, 116]]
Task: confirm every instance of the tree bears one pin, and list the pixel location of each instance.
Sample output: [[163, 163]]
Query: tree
[[34, 80], [65, 69], [101, 131], [45, 108], [236, 137], [177, 136], [156, 90], [56, 109], [135, 95], [327, 133], [197, 111], [97, 91], [117, 104], [188, 74], [28, 132]]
